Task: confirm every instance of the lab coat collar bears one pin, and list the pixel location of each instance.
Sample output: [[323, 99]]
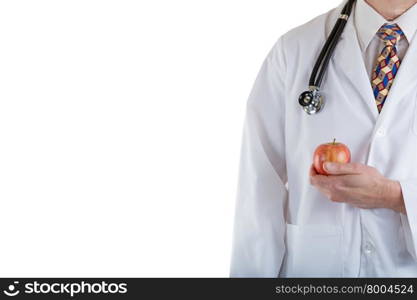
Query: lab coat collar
[[408, 22], [368, 21], [350, 66]]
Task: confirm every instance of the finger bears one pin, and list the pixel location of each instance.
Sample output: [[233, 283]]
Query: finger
[[351, 181], [322, 181], [314, 176], [343, 168], [313, 171], [325, 192]]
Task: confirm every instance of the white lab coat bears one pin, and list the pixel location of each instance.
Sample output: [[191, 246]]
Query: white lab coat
[[283, 225]]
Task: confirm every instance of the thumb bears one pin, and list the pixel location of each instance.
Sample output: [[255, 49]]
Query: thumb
[[342, 168]]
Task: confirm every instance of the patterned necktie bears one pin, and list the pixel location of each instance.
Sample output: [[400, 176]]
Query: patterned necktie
[[387, 63]]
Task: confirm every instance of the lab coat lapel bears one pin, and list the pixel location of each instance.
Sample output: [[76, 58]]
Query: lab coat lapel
[[404, 81], [350, 67]]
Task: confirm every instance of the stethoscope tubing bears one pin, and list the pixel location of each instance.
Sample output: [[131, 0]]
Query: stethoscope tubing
[[327, 51]]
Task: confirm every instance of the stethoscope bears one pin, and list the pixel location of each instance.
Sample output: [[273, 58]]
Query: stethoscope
[[311, 100]]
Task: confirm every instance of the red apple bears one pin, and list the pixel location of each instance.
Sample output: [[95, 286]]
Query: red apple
[[330, 152]]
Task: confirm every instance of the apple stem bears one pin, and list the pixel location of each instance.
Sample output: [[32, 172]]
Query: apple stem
[[334, 141]]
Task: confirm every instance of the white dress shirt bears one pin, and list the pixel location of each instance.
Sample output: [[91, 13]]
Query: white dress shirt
[[368, 21]]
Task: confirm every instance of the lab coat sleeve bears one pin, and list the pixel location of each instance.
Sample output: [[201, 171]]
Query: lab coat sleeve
[[259, 226], [409, 221]]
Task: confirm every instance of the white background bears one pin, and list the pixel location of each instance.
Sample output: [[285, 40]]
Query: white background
[[120, 128]]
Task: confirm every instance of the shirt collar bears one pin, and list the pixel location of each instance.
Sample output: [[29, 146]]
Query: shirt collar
[[408, 22], [368, 21]]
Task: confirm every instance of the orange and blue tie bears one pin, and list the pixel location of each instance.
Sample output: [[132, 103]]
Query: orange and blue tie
[[387, 63]]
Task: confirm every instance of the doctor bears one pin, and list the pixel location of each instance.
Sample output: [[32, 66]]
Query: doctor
[[361, 221]]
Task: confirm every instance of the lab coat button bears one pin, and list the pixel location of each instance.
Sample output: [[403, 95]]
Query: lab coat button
[[368, 248], [381, 131]]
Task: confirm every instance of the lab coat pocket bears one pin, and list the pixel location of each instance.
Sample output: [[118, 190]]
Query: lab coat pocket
[[313, 251]]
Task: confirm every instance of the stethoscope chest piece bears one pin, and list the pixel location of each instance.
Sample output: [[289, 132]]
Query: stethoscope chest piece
[[311, 101]]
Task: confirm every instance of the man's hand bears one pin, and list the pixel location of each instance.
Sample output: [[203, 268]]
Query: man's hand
[[359, 185]]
